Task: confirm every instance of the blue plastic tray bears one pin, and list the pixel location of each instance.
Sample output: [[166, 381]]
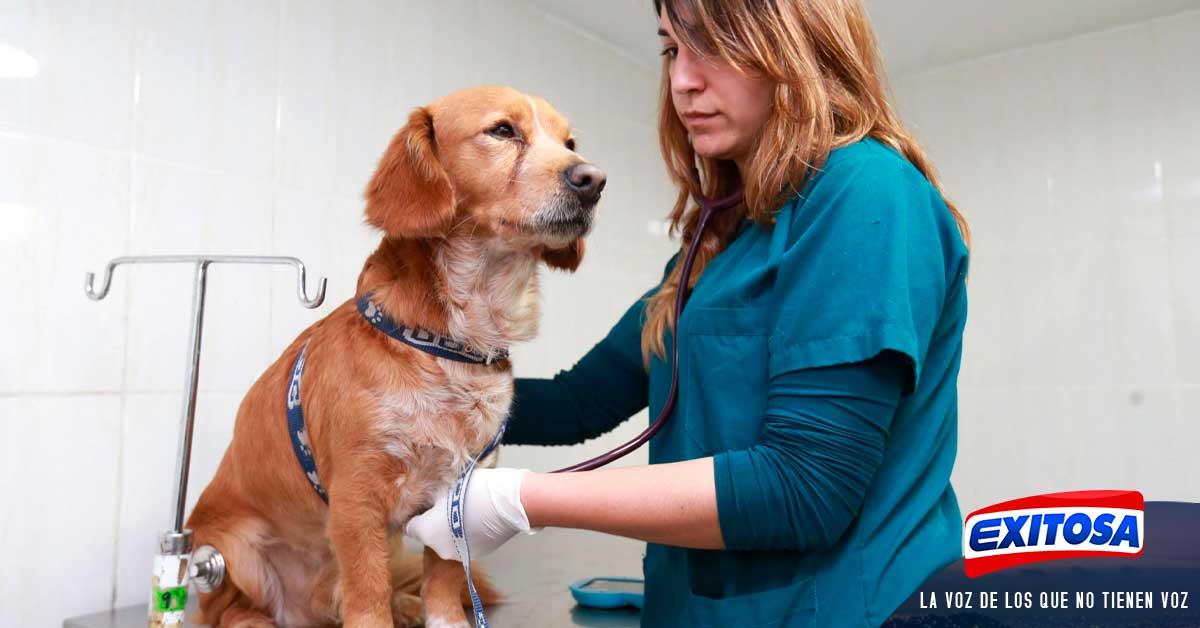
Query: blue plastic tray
[[587, 593]]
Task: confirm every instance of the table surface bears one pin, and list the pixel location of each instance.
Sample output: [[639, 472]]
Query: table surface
[[533, 572]]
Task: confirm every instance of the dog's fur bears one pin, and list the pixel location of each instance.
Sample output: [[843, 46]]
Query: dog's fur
[[467, 210]]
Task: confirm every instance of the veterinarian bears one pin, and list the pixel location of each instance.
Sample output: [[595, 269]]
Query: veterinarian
[[804, 479]]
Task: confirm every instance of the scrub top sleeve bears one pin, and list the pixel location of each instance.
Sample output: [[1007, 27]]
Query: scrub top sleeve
[[823, 440], [861, 268], [608, 385]]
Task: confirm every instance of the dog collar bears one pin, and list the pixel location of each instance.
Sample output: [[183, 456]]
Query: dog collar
[[423, 339]]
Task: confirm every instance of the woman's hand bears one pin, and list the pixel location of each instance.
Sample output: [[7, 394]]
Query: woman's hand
[[492, 514]]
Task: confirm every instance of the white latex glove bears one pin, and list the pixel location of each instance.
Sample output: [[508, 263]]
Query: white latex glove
[[492, 514]]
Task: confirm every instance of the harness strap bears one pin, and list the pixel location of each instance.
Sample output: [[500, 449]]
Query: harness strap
[[295, 418], [456, 511]]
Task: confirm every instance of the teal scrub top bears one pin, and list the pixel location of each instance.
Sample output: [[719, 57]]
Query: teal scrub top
[[866, 260]]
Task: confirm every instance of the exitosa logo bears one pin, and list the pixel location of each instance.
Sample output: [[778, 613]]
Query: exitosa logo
[[1051, 527]]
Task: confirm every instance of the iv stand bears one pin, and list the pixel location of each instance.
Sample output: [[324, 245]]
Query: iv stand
[[175, 564]]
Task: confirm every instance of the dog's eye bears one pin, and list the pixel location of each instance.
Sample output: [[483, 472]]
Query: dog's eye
[[570, 143], [503, 131]]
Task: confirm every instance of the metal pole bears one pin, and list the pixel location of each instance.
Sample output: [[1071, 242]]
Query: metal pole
[[173, 564], [191, 378]]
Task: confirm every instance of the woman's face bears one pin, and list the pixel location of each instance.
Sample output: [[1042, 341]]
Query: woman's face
[[722, 108]]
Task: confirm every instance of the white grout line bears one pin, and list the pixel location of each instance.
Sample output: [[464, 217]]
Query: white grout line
[[276, 150], [276, 156], [39, 394], [19, 133], [319, 194], [127, 303]]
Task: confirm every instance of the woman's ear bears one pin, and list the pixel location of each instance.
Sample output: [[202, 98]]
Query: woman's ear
[[567, 258], [410, 195]]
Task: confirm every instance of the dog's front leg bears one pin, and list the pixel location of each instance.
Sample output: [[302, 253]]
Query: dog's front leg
[[443, 582], [358, 530]]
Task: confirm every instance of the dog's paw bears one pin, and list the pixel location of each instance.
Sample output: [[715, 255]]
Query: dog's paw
[[407, 610]]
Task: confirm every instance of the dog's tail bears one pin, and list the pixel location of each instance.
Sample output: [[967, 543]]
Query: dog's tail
[[406, 576]]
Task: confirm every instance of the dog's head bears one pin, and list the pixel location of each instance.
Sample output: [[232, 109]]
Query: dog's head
[[493, 163]]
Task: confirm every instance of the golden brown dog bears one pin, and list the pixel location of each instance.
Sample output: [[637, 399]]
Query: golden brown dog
[[471, 194]]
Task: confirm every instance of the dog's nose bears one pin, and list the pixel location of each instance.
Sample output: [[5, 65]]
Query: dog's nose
[[587, 181]]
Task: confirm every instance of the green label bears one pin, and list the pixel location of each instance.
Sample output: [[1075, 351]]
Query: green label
[[170, 599]]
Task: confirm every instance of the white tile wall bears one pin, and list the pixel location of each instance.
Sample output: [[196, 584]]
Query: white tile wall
[[64, 209], [60, 460], [1076, 164], [249, 128], [349, 73], [84, 89], [239, 127], [207, 78]]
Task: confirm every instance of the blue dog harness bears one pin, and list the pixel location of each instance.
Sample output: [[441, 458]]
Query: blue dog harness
[[456, 510], [295, 418], [433, 344]]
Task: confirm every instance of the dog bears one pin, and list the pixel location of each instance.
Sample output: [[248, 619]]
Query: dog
[[475, 191]]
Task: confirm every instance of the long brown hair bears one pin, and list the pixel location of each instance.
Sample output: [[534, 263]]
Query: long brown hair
[[830, 91]]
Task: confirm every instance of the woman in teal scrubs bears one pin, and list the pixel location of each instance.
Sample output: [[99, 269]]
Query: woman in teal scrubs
[[804, 477]]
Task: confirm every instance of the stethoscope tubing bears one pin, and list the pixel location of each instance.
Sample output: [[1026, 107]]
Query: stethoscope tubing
[[708, 208]]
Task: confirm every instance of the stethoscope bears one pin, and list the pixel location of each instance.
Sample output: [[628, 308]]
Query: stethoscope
[[708, 208]]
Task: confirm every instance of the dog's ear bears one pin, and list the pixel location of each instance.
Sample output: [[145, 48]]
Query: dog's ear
[[567, 258], [410, 194]]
